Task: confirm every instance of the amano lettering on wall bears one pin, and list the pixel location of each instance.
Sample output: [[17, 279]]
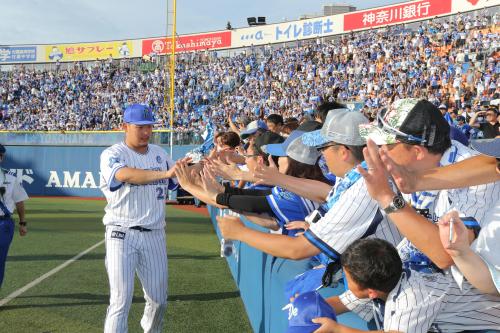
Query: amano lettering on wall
[[73, 179]]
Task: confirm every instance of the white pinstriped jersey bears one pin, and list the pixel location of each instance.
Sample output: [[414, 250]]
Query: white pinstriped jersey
[[130, 204], [429, 303], [350, 217], [474, 201]]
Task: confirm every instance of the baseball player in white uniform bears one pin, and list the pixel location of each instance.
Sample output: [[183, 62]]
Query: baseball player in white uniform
[[135, 177]]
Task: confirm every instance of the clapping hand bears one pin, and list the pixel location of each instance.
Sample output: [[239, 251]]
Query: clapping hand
[[267, 175], [226, 171], [376, 176], [405, 180], [209, 182]]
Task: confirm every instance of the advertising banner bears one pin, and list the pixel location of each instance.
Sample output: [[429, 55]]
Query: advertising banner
[[468, 5], [409, 11], [289, 31], [216, 40], [88, 51], [17, 54], [61, 170]]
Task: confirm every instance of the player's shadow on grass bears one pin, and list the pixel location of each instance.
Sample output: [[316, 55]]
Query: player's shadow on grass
[[56, 257], [98, 299]]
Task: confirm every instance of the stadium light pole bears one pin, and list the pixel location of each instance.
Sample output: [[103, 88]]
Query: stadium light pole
[[172, 76], [170, 68]]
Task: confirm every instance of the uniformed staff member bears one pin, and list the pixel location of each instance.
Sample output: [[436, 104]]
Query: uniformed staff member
[[12, 195]]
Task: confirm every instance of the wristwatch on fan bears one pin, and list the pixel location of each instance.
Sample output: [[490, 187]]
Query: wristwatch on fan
[[397, 203]]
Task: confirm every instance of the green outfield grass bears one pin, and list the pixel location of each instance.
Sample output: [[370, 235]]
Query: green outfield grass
[[202, 294]]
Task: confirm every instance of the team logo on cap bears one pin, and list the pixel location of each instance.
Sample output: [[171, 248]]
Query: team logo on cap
[[145, 114], [292, 311]]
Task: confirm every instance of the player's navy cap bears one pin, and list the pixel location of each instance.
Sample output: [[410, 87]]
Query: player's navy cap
[[139, 114], [252, 128], [341, 126], [490, 147], [2, 149], [304, 309]]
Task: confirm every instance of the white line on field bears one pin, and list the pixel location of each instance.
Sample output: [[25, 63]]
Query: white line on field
[[46, 275]]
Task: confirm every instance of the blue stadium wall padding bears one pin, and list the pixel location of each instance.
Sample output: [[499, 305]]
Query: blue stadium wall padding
[[61, 170], [261, 279]]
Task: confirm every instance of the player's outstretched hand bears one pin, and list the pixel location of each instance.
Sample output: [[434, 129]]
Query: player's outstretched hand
[[171, 173], [376, 177], [327, 325], [230, 226], [23, 230], [267, 175], [459, 236], [182, 173], [405, 180]]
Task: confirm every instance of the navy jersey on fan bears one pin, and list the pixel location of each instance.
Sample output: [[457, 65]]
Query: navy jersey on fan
[[288, 207], [252, 186]]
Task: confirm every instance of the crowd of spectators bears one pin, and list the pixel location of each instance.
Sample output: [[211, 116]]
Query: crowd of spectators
[[451, 61]]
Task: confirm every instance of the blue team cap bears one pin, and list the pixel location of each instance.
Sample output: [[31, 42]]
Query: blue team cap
[[139, 114], [253, 127], [304, 309], [490, 147], [279, 149], [310, 280]]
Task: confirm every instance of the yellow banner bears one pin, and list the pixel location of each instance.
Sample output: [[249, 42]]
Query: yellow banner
[[88, 51]]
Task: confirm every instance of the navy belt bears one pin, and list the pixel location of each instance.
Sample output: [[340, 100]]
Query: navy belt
[[141, 229]]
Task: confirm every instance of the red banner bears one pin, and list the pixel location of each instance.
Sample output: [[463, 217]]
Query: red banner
[[200, 42], [396, 14]]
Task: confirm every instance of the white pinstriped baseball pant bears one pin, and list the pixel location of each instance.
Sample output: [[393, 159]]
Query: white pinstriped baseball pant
[[145, 253]]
